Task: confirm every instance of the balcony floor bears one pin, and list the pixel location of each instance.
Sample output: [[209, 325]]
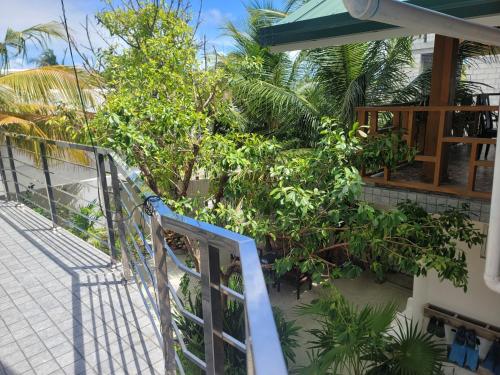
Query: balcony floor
[[62, 309]]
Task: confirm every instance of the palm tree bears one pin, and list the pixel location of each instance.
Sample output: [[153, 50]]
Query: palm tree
[[16, 43], [270, 89], [28, 98], [360, 74], [47, 58], [281, 93], [360, 341]]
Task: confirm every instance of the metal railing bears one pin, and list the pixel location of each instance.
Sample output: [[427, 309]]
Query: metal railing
[[66, 181]]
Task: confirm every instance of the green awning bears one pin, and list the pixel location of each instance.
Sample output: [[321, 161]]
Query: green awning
[[321, 23]]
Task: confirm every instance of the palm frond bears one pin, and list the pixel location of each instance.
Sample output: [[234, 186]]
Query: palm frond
[[267, 93], [360, 74], [18, 40], [471, 53], [411, 352], [6, 119], [48, 85]]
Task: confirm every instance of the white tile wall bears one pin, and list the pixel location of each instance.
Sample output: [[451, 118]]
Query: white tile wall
[[485, 72]]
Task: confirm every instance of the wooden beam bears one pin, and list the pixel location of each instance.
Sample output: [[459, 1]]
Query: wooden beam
[[422, 186], [428, 159], [440, 157], [481, 141], [443, 84]]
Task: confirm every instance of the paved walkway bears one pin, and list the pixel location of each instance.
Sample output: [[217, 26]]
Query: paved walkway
[[62, 309]]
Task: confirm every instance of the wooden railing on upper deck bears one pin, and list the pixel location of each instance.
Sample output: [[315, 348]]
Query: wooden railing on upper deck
[[404, 119]]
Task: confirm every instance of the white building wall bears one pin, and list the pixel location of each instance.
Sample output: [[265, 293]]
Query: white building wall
[[485, 72], [479, 302]]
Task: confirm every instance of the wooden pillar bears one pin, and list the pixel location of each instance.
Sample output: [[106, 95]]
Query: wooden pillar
[[442, 93]]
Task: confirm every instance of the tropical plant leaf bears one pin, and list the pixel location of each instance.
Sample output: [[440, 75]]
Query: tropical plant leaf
[[18, 41], [411, 352], [47, 85]]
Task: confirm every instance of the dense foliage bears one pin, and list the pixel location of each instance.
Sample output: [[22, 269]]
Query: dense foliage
[[305, 205], [358, 341], [174, 118], [275, 135]]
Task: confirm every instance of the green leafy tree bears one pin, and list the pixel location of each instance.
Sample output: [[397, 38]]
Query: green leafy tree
[[411, 240], [160, 104], [305, 204], [172, 118]]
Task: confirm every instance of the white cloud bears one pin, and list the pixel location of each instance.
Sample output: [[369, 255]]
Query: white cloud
[[216, 17]]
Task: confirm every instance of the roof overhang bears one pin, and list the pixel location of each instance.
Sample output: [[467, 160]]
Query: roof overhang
[[322, 23]]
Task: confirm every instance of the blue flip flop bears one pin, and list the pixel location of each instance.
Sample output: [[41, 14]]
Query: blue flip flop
[[471, 351], [458, 348], [471, 358]]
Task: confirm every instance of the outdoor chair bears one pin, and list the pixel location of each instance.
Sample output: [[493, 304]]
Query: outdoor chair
[[298, 277], [487, 129], [267, 261]]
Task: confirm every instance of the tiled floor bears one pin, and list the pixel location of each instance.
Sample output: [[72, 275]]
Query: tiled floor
[[62, 309]]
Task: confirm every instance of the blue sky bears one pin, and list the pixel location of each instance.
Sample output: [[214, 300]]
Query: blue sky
[[24, 13]]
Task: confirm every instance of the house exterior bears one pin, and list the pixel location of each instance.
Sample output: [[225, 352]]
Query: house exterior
[[452, 165]]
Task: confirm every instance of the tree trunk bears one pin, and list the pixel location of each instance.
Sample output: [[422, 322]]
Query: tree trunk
[[220, 191], [188, 172], [146, 172]]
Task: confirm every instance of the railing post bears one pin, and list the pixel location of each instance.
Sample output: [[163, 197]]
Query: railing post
[[248, 344], [411, 117], [438, 165], [160, 258], [3, 175], [212, 308], [12, 166], [115, 184], [101, 171], [48, 184]]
